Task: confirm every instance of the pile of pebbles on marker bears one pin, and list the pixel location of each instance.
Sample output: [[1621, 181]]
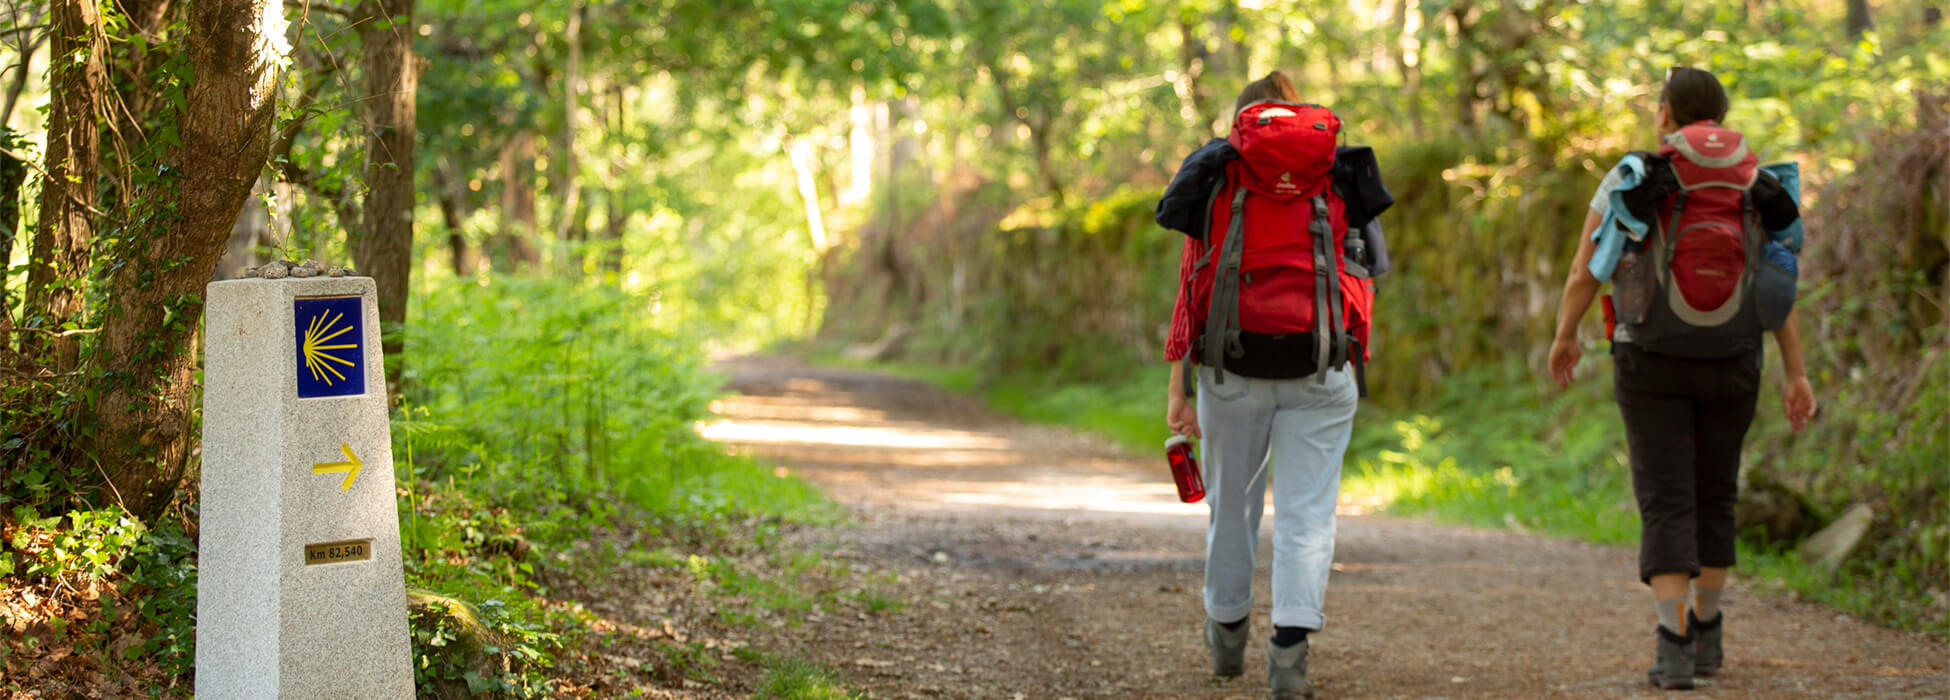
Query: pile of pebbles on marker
[[285, 268]]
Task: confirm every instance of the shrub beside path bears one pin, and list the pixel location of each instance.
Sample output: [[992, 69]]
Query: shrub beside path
[[1032, 562]]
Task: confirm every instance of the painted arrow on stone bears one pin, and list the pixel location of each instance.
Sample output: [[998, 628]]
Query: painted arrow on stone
[[350, 466]]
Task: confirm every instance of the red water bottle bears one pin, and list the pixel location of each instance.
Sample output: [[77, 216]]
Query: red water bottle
[[1184, 469]]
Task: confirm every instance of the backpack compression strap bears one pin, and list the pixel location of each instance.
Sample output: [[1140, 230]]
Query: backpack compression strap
[[1222, 319], [1330, 336]]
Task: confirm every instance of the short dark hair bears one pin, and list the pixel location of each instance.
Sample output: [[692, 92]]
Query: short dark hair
[[1275, 86], [1692, 95]]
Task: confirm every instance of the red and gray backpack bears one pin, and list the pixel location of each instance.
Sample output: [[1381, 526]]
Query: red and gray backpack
[[1690, 291], [1281, 300]]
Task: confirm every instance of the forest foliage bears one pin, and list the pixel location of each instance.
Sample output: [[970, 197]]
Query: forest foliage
[[572, 207]]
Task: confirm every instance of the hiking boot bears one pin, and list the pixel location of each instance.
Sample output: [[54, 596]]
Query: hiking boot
[[1674, 668], [1707, 658], [1228, 648], [1286, 671]]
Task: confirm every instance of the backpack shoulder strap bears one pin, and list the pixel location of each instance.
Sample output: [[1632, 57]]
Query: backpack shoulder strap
[[1222, 317]]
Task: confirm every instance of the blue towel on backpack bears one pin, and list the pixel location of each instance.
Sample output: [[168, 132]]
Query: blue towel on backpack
[[1618, 223]]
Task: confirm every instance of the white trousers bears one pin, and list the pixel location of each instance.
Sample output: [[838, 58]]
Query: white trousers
[[1305, 424]]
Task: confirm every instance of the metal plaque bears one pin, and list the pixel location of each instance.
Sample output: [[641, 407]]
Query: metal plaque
[[338, 552]]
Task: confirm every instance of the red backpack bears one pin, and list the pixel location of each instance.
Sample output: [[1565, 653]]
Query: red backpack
[[1689, 292], [1280, 300]]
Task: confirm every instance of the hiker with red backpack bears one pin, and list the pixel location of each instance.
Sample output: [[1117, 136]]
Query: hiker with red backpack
[[1698, 245], [1273, 307]]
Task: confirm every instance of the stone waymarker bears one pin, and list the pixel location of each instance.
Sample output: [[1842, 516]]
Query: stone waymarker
[[300, 590]]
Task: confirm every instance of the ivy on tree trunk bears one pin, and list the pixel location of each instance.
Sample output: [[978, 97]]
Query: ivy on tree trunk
[[143, 369], [57, 272]]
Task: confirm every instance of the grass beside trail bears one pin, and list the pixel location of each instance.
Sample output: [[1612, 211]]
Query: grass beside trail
[[565, 531], [537, 469], [1501, 449], [792, 678]]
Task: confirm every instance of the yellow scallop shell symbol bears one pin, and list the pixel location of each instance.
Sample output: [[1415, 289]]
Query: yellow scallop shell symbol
[[319, 356]]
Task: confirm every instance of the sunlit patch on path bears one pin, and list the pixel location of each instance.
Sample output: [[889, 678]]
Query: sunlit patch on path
[[1041, 563], [865, 448], [785, 432]]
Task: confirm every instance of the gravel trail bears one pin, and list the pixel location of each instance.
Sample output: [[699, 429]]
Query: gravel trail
[[1038, 563]]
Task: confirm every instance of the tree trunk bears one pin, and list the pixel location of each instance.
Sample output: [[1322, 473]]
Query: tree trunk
[[1221, 70], [1859, 20], [1408, 60], [144, 366], [518, 201], [384, 251], [616, 220], [800, 152], [13, 173], [448, 189], [1039, 142], [1210, 66], [576, 235], [1468, 79], [571, 197], [136, 88], [1193, 94], [58, 270], [1239, 65], [860, 144]]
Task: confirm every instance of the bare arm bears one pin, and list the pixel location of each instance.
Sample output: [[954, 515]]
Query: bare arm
[[1797, 394], [1788, 339], [1580, 287]]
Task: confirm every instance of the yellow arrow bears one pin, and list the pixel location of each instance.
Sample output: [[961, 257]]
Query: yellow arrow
[[350, 466]]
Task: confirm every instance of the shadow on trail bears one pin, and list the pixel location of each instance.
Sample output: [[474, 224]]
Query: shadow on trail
[[1037, 561]]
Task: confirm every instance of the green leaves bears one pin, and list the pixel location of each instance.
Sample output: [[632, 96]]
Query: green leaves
[[489, 647], [163, 565], [87, 548]]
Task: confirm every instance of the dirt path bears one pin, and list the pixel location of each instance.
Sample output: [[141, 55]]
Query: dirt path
[[1037, 563]]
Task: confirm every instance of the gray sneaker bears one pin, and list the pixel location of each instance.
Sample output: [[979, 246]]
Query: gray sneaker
[[1286, 671], [1674, 668], [1707, 660], [1228, 648]]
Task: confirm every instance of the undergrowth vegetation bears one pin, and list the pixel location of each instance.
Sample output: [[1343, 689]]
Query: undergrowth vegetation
[[93, 601], [545, 444], [532, 464]]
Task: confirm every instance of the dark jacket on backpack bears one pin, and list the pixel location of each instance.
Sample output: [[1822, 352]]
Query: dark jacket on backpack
[[1186, 205]]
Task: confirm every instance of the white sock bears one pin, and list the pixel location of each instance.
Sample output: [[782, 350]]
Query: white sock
[[1708, 607], [1672, 615]]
